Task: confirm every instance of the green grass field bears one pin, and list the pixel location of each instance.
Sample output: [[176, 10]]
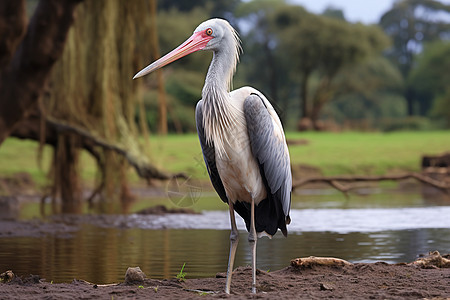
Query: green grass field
[[367, 153], [332, 153]]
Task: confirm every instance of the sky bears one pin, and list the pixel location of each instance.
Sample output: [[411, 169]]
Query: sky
[[364, 11]]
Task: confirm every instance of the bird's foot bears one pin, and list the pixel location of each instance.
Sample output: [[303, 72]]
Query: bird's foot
[[227, 288]]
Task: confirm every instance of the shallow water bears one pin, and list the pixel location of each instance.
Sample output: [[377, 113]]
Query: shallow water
[[102, 255], [307, 220], [383, 226]]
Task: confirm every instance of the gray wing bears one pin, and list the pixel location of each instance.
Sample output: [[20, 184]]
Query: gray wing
[[209, 154], [269, 148]]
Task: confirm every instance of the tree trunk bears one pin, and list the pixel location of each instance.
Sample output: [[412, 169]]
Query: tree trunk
[[305, 123], [409, 101], [12, 29], [304, 94], [67, 182], [322, 96], [162, 99], [24, 75], [318, 105], [273, 83]]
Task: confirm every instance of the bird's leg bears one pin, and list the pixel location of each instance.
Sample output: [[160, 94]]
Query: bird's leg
[[252, 238], [234, 239]]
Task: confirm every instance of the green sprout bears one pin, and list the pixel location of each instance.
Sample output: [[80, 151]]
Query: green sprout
[[181, 275]]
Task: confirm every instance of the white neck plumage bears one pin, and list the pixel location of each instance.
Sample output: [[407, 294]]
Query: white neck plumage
[[219, 113]]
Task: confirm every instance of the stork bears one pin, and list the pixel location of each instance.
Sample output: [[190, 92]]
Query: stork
[[242, 141]]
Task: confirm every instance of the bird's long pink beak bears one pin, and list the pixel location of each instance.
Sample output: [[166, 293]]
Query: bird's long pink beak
[[196, 42]]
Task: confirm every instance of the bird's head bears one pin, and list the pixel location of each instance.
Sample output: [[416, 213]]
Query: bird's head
[[213, 34]]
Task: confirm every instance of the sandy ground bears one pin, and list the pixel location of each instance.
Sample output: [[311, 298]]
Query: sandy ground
[[350, 281]]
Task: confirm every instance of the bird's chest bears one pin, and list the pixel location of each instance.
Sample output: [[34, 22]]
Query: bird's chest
[[239, 170]]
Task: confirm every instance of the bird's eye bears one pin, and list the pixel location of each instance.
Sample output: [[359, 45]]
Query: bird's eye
[[209, 31]]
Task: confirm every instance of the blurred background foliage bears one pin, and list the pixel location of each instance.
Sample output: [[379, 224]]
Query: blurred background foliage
[[320, 71]]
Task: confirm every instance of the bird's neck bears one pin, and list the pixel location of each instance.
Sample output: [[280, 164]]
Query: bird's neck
[[220, 115], [220, 73]]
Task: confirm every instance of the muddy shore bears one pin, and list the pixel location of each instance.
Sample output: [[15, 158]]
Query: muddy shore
[[347, 281]]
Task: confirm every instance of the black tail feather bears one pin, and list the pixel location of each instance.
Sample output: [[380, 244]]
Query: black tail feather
[[269, 215]]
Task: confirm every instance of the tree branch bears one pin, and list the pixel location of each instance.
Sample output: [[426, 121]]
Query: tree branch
[[336, 181], [29, 129], [143, 169]]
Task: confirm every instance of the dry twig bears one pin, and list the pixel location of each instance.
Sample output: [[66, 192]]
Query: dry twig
[[337, 181]]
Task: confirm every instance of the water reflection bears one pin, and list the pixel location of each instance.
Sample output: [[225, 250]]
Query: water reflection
[[102, 255]]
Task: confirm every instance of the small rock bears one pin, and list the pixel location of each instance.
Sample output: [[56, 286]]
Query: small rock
[[326, 287], [134, 275], [6, 276]]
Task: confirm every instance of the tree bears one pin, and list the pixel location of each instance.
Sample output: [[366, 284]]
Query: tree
[[411, 23], [429, 80], [320, 48], [262, 64], [91, 99], [368, 93], [218, 8], [333, 12], [28, 53]]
